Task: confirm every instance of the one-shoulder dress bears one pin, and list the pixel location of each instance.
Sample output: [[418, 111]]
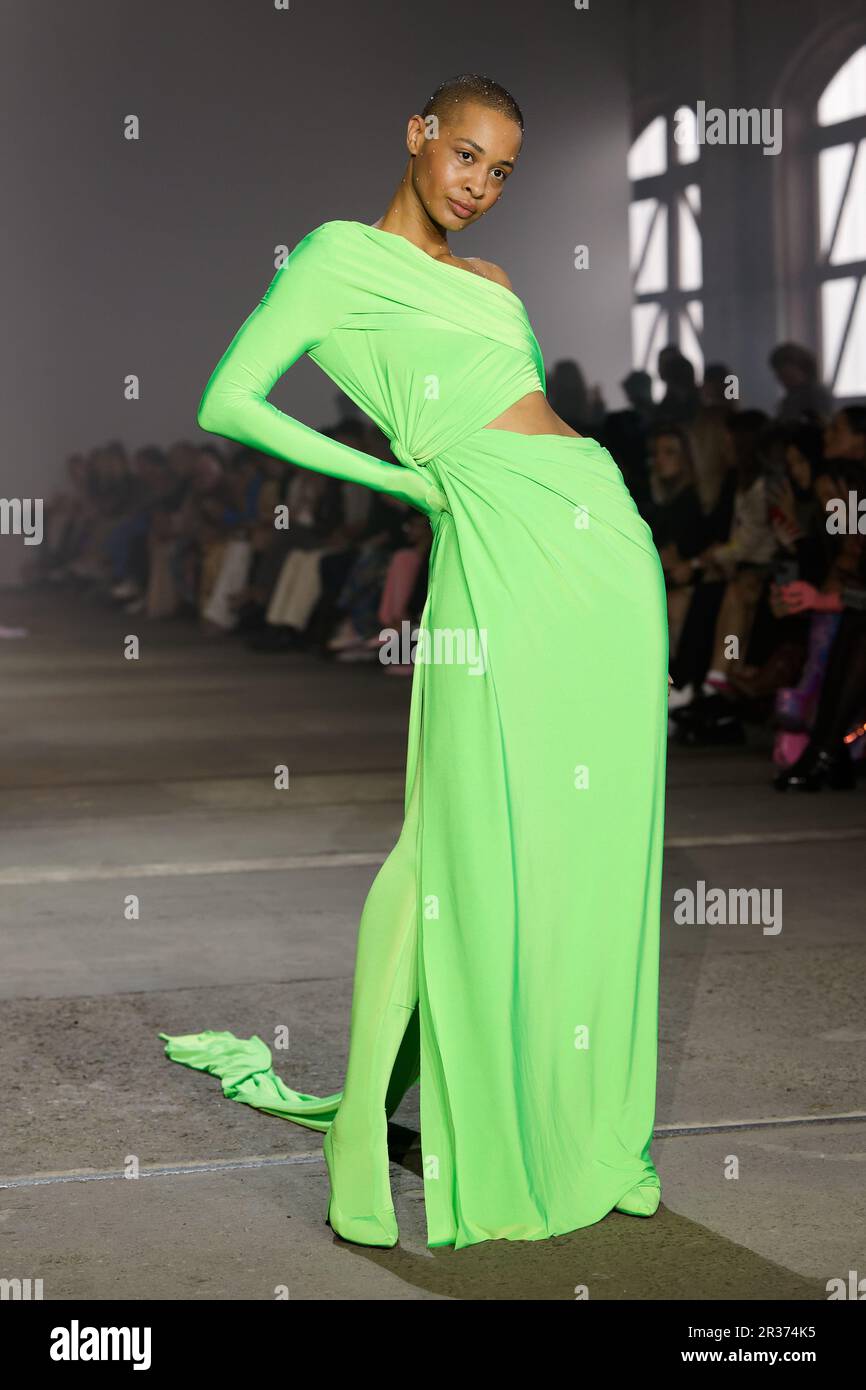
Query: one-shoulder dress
[[537, 732]]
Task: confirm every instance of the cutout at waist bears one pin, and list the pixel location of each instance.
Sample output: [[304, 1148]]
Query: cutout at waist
[[532, 415]]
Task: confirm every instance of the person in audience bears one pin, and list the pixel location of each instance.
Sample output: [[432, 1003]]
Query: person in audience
[[175, 537], [676, 519], [796, 371], [352, 578], [232, 510], [67, 515], [316, 506], [573, 401], [742, 563], [110, 495], [379, 587], [154, 487], [624, 434], [826, 759], [845, 435], [841, 474], [709, 434], [783, 651], [679, 405], [817, 564]]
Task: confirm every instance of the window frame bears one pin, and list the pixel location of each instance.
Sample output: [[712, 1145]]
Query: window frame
[[801, 270], [667, 189]]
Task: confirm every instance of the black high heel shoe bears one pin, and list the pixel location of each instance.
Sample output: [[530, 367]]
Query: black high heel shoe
[[816, 768], [709, 720], [696, 710]]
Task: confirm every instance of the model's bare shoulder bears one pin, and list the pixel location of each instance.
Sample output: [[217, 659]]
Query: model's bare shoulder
[[492, 271]]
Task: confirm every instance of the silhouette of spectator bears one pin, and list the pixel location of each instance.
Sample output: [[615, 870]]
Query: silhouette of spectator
[[796, 370]]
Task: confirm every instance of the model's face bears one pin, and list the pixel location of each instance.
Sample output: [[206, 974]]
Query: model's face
[[667, 456], [460, 169]]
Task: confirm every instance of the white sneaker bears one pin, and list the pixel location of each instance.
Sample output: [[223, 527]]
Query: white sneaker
[[678, 698]]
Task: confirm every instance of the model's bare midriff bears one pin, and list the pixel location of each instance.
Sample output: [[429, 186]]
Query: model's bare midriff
[[531, 415]]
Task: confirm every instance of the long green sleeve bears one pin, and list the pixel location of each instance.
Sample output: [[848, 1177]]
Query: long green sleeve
[[301, 306]]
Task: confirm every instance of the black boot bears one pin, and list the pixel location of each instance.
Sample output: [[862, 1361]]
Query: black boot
[[816, 768], [715, 722]]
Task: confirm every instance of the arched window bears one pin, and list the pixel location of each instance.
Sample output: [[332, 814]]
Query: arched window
[[839, 145], [665, 241]]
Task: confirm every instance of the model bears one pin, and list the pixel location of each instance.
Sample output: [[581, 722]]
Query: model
[[508, 949]]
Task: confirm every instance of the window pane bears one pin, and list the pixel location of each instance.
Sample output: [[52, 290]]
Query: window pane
[[640, 215], [836, 296], [690, 246], [850, 244], [648, 217], [649, 330], [686, 135], [845, 95], [851, 376], [647, 155], [833, 166]]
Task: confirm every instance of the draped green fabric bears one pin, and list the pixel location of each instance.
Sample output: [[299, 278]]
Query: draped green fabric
[[523, 906]]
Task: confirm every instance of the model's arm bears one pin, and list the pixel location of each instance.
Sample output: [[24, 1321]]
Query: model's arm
[[300, 307]]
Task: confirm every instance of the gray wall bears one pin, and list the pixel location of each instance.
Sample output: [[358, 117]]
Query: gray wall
[[257, 125]]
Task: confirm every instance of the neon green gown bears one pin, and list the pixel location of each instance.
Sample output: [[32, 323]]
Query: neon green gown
[[508, 948]]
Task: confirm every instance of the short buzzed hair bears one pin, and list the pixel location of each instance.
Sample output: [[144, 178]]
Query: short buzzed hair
[[472, 86]]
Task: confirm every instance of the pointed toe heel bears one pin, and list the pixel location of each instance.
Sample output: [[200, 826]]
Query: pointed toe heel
[[378, 1228], [642, 1200]]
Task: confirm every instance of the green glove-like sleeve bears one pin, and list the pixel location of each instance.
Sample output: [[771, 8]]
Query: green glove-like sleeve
[[301, 306]]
